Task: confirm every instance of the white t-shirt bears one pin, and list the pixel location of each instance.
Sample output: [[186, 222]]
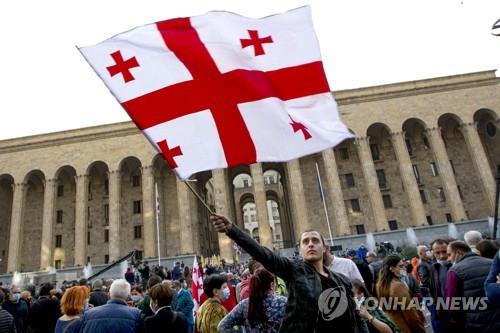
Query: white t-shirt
[[346, 267]]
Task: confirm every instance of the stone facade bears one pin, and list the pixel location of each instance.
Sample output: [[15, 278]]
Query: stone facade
[[425, 152]]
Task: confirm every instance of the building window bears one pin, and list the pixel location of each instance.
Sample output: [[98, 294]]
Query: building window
[[88, 237], [106, 235], [106, 214], [246, 218], [106, 186], [360, 229], [57, 264], [429, 219], [409, 147], [88, 213], [375, 152], [138, 255], [137, 232], [245, 183], [59, 216], [448, 218], [106, 258], [491, 129], [382, 181], [393, 225], [434, 169], [136, 181], [441, 194], [416, 173], [88, 259], [58, 241], [253, 218], [60, 190], [349, 180], [137, 207], [387, 201], [355, 207], [344, 153], [423, 196]]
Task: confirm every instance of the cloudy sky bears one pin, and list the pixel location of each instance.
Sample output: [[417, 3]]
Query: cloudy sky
[[47, 86]]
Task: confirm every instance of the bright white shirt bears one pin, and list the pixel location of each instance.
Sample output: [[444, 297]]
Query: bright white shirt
[[346, 267]]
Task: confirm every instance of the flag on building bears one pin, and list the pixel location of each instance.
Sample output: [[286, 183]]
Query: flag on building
[[196, 285], [219, 90]]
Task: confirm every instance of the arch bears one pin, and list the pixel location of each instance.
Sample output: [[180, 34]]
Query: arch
[[242, 180], [6, 202], [246, 198], [38, 174], [484, 114], [99, 167], [376, 130], [410, 124], [130, 163], [68, 169], [271, 176], [447, 119], [7, 177]]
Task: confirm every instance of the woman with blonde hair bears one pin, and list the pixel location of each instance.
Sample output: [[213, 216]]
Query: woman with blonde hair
[[74, 301]]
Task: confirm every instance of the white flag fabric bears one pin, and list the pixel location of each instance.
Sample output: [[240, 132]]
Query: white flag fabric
[[219, 90], [196, 285]]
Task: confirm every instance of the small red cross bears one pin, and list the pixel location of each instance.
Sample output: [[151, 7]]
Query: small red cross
[[123, 67], [256, 42], [169, 154], [300, 127]]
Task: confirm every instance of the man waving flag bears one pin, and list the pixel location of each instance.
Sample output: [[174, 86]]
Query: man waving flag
[[219, 90]]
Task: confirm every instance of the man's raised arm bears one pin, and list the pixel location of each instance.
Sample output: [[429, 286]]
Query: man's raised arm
[[273, 262]]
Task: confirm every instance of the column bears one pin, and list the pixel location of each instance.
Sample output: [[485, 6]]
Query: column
[[335, 193], [446, 174], [480, 162], [49, 199], [149, 211], [19, 191], [221, 207], [82, 183], [186, 215], [408, 178], [297, 198], [265, 232], [372, 186], [114, 215]]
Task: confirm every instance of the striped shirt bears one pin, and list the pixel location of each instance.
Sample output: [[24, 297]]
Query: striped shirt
[[7, 324]]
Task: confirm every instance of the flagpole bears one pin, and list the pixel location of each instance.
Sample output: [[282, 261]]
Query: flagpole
[[324, 203], [157, 223], [199, 198]]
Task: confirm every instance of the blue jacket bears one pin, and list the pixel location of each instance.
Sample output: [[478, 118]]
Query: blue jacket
[[491, 287], [113, 317], [184, 303]]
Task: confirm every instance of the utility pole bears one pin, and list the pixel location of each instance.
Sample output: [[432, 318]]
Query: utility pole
[[497, 197]]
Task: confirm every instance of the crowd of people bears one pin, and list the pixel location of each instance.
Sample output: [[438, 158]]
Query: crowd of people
[[382, 292]]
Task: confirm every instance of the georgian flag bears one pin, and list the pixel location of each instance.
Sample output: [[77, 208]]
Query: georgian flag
[[219, 90], [196, 285]]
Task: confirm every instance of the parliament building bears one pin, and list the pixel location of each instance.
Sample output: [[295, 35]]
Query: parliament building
[[426, 152]]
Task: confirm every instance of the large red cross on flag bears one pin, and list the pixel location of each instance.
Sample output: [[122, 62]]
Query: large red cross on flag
[[219, 90]]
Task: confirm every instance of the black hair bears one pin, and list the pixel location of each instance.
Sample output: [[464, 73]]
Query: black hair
[[45, 289], [214, 281]]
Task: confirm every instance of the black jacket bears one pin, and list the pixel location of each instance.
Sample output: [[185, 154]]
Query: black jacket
[[166, 320], [98, 298], [303, 285]]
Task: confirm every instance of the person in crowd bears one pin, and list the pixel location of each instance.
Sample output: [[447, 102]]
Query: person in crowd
[[361, 252], [45, 311], [487, 248], [305, 277], [376, 318], [390, 285], [362, 266], [492, 283], [26, 296], [344, 266], [73, 303], [466, 279], [245, 281], [18, 309], [424, 269], [411, 282], [98, 297], [230, 302], [244, 289], [374, 263], [472, 238], [263, 311], [188, 276], [7, 323], [436, 284], [136, 296], [177, 271], [145, 273], [164, 318], [115, 316], [130, 276], [144, 305], [184, 303], [212, 311]]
